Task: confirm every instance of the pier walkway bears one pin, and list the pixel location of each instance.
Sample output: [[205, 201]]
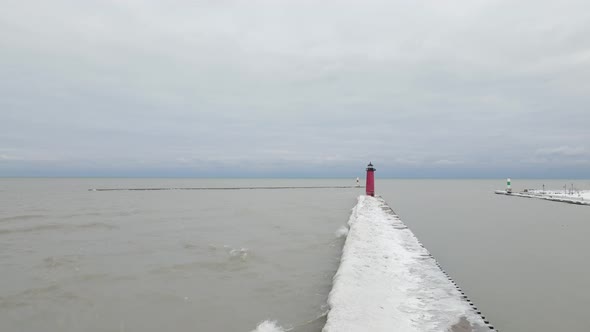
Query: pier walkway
[[387, 281]]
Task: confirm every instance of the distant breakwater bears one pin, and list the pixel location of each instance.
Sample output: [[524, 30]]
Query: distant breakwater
[[547, 197], [226, 188]]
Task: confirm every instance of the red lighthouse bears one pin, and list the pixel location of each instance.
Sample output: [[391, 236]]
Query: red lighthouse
[[370, 186]]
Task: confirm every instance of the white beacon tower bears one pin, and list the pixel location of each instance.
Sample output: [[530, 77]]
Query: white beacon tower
[[508, 187]]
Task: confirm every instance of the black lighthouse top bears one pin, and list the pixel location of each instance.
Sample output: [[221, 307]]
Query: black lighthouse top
[[370, 167]]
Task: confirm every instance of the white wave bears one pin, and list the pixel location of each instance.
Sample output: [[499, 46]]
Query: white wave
[[233, 253], [239, 253], [269, 326], [342, 232]]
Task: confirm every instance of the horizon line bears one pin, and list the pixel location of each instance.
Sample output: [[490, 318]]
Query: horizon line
[[289, 177]]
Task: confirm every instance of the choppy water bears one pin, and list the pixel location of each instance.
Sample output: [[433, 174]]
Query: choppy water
[[74, 260]]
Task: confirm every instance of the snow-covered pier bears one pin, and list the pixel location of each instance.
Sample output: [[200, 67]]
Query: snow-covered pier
[[574, 197], [387, 281]]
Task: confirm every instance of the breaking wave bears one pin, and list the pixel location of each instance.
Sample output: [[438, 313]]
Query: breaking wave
[[342, 232], [269, 326], [314, 324], [234, 253]]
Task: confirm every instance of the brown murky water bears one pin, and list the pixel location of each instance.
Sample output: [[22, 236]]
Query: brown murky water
[[74, 260], [522, 261]]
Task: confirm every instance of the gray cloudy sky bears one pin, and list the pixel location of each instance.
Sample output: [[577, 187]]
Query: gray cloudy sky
[[295, 88]]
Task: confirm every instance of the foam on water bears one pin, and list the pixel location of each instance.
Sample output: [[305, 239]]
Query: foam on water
[[235, 253], [342, 232], [269, 326], [314, 324]]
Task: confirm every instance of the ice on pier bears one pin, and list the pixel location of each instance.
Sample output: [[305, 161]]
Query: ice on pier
[[388, 282], [581, 197]]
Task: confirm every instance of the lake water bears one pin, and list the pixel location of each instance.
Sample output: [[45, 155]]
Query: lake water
[[79, 260]]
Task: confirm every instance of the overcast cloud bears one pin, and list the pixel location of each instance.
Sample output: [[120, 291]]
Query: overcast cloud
[[295, 88]]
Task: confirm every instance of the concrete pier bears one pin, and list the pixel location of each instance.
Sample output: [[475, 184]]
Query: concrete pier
[[388, 281]]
